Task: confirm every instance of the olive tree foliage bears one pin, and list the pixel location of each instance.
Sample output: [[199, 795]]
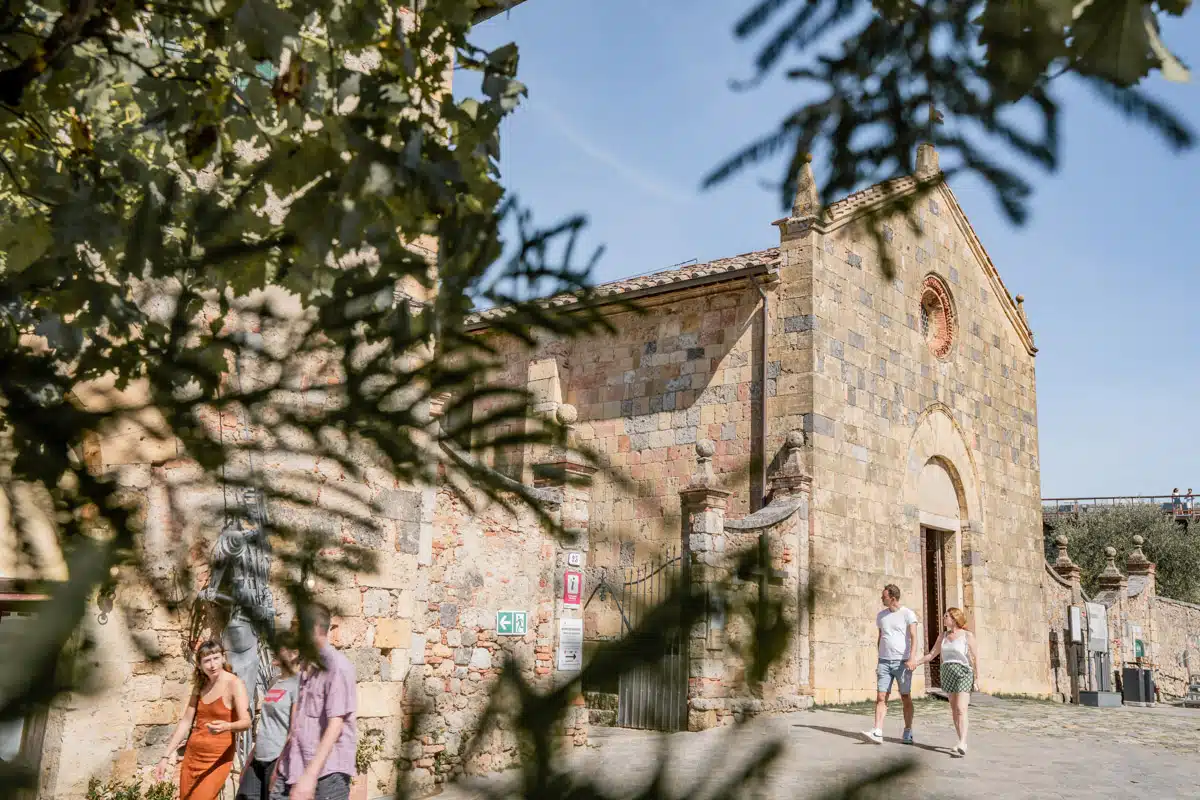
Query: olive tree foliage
[[881, 76], [1175, 549], [225, 210]]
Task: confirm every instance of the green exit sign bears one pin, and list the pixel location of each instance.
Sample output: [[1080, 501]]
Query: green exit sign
[[512, 623]]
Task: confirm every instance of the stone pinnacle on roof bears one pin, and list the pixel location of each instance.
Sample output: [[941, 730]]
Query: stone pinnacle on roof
[[808, 201], [927, 160]]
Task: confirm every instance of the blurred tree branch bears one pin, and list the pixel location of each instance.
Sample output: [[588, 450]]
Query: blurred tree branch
[[880, 70]]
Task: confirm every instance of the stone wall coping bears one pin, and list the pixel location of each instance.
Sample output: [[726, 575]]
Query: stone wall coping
[[1059, 579], [550, 496], [734, 268], [1181, 603], [773, 513]]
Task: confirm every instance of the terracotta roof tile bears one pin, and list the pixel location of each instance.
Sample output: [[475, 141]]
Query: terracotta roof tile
[[768, 258]]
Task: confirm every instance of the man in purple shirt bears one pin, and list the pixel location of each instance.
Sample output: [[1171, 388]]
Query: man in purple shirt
[[317, 761]]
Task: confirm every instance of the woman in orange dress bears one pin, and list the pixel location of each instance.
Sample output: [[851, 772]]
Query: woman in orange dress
[[217, 711]]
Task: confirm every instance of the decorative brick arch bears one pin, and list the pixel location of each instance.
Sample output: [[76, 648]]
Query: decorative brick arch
[[939, 318]]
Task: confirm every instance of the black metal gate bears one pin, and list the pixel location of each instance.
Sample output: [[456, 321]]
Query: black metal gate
[[653, 696]]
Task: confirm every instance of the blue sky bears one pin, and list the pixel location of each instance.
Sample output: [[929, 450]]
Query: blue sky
[[630, 107]]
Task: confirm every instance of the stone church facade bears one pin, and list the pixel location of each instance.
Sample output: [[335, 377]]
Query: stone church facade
[[876, 430], [916, 396]]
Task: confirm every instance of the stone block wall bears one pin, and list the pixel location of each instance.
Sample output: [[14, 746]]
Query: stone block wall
[[484, 560], [683, 370], [420, 630], [1177, 645], [879, 406], [1169, 629]]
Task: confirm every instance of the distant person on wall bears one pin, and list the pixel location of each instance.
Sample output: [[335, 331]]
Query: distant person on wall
[[897, 632], [274, 721], [217, 710], [1187, 501], [317, 761], [1176, 505], [960, 669]]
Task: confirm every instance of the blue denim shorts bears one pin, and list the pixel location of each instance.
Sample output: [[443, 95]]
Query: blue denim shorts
[[894, 671]]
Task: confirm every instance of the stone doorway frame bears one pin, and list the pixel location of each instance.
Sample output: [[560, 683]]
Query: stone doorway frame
[[938, 440], [948, 583]]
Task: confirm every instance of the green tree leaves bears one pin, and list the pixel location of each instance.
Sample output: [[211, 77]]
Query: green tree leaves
[[1174, 548], [872, 69], [208, 212]]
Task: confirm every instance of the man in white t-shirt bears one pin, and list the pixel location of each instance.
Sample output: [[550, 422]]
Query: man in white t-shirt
[[897, 636]]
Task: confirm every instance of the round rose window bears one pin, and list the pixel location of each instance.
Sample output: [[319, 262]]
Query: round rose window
[[938, 323]]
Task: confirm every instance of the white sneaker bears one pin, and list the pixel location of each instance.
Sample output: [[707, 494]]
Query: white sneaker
[[908, 736], [960, 749], [873, 736]]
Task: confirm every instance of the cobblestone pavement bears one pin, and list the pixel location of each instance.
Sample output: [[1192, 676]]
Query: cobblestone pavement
[[1019, 748]]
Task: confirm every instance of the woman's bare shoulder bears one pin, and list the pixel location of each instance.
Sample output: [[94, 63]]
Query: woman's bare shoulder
[[231, 683]]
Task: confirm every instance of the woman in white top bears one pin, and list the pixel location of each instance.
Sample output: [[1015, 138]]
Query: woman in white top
[[960, 667]]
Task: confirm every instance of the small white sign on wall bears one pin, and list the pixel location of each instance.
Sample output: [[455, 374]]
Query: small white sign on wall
[[1097, 628], [570, 645], [1075, 624]]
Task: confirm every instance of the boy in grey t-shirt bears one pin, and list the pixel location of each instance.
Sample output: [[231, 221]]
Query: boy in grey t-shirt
[[274, 720]]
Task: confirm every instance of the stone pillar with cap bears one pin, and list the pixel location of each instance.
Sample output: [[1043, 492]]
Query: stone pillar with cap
[[1075, 652], [1068, 570], [1112, 587], [791, 494], [1110, 578], [1136, 563], [1143, 588], [567, 481], [703, 541]]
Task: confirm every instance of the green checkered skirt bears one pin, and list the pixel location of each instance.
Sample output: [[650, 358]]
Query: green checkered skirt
[[957, 677]]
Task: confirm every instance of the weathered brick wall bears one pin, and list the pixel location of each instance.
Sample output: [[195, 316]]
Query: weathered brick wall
[[484, 561], [867, 389], [419, 628], [420, 632], [1177, 645], [683, 370]]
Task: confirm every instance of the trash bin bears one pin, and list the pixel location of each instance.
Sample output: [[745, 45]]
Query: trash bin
[[1137, 686]]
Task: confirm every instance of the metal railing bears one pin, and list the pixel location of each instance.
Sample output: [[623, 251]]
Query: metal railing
[[1179, 506]]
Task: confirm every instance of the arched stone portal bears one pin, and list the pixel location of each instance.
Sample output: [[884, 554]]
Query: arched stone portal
[[942, 495]]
